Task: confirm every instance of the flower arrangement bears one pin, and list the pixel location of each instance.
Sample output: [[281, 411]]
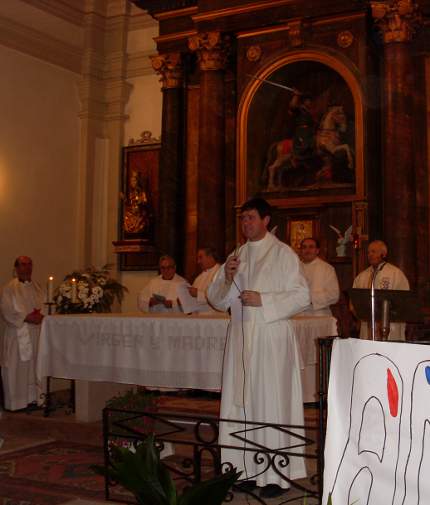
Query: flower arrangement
[[88, 290]]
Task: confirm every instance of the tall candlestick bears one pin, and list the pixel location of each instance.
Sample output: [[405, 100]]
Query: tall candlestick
[[50, 289], [74, 291]]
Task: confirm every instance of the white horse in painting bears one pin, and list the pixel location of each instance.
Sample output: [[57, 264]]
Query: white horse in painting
[[332, 125], [327, 140]]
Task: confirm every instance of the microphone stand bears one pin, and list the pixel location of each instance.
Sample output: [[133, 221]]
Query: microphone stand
[[372, 298]]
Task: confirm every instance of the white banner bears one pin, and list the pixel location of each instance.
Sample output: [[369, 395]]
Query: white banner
[[378, 430]]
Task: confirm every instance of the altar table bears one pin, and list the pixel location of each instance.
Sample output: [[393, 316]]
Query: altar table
[[157, 350]]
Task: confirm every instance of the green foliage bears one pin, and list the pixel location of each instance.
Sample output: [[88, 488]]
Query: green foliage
[[136, 400], [143, 474]]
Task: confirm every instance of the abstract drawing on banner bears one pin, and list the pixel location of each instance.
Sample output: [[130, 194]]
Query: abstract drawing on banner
[[378, 429]]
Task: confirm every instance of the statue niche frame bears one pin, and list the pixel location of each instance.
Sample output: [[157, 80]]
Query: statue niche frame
[[327, 78], [138, 205]]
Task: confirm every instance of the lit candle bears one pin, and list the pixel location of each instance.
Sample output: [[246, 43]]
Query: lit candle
[[50, 289], [74, 291]]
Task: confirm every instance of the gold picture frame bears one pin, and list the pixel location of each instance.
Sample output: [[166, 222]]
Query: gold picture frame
[[299, 228]]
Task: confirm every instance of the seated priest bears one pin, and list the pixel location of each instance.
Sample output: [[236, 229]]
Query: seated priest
[[208, 262], [21, 303], [160, 294], [387, 276], [321, 278]]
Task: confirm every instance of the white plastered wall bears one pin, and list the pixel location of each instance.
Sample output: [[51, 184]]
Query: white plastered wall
[[144, 113], [39, 133], [41, 186]]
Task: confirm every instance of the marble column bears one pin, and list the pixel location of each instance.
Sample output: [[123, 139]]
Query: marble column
[[169, 229], [212, 51], [397, 21]]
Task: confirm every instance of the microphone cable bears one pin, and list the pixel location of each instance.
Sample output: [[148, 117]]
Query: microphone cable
[[244, 380]]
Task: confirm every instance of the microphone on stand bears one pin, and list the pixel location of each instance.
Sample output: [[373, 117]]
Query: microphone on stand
[[372, 297], [385, 319]]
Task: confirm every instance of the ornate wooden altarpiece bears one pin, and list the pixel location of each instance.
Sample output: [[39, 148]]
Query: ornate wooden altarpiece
[[139, 204], [361, 67]]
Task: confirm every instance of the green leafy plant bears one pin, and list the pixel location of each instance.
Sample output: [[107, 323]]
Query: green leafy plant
[[143, 474], [119, 409]]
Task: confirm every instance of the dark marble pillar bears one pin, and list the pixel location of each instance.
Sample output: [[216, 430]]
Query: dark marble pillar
[[212, 50], [396, 23], [169, 229]]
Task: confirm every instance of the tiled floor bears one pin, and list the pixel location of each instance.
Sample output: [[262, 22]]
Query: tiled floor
[[21, 430]]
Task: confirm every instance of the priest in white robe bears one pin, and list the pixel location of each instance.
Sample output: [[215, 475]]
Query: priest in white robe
[[263, 285], [207, 261], [21, 303], [321, 278], [161, 293], [388, 276]]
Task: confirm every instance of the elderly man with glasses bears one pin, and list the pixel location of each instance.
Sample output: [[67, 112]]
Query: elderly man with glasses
[[160, 294]]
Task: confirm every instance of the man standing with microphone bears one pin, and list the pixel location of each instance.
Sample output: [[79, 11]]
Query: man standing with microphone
[[263, 285]]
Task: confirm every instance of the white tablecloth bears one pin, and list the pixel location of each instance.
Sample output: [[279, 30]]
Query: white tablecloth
[[152, 350]]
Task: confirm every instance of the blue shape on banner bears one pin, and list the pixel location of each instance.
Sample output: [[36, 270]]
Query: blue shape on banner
[[428, 374]]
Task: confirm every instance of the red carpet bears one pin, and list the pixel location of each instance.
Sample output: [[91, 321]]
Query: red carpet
[[50, 474]]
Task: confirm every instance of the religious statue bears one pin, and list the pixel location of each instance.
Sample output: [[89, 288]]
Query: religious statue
[[136, 206], [342, 241]]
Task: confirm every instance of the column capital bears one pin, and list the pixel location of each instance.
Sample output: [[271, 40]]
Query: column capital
[[397, 20], [212, 49], [169, 66]]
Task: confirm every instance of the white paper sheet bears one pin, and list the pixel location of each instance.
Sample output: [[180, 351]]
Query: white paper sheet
[[378, 430]]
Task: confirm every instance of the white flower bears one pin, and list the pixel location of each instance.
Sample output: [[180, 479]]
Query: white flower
[[97, 291], [65, 290], [82, 296]]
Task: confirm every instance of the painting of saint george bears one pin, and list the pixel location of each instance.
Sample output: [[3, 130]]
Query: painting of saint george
[[306, 146]]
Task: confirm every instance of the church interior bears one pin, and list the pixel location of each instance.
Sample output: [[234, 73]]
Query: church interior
[[132, 129]]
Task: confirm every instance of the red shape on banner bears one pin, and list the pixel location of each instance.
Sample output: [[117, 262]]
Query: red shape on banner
[[393, 394]]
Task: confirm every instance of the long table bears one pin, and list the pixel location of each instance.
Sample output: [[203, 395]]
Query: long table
[[165, 350]]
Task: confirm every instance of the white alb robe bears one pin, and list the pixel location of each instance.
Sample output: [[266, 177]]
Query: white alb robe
[[160, 286], [201, 282], [20, 343], [261, 342], [323, 286], [390, 277]]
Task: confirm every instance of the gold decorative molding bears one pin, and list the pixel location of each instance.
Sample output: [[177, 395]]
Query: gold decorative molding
[[263, 31], [169, 66], [174, 37], [296, 32], [253, 53], [186, 11], [397, 20], [145, 138], [212, 49], [338, 19], [344, 39], [231, 11]]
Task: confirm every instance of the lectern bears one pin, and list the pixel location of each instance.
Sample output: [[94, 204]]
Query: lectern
[[390, 305]]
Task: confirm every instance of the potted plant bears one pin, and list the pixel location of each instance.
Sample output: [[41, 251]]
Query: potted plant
[[123, 416], [143, 474]]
